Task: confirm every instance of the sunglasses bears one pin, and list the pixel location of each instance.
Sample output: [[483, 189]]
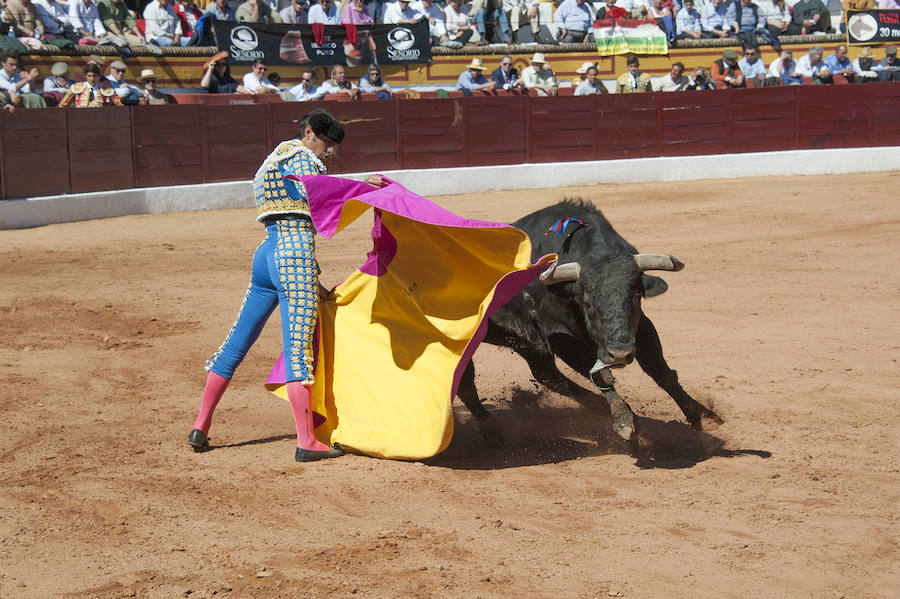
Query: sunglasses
[[306, 79], [505, 64], [260, 68]]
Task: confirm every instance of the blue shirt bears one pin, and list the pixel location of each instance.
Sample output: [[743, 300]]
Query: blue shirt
[[687, 21], [718, 18], [467, 81], [573, 17], [832, 63], [749, 70]]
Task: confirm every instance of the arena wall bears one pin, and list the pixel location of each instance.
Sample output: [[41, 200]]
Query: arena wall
[[33, 212]]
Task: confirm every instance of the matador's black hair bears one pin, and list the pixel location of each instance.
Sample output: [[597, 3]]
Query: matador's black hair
[[322, 123]]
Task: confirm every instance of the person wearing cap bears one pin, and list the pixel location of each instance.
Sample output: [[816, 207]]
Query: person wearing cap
[[865, 67], [339, 84], [58, 82], [573, 20], [85, 21], [91, 93], [295, 13], [459, 28], [373, 83], [16, 85], [890, 65], [324, 12], [726, 70], [717, 19], [22, 17], [539, 76], [284, 276], [118, 21], [162, 26], [675, 81], [634, 81], [437, 29], [591, 84], [473, 79], [151, 95], [130, 94], [581, 72], [506, 76]]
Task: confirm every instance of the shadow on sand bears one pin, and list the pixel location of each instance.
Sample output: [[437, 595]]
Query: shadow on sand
[[550, 435]]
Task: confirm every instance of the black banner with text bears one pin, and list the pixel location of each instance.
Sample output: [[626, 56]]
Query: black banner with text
[[325, 44], [873, 26]]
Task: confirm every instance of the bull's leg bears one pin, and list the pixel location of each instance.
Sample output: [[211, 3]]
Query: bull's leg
[[648, 352], [467, 392]]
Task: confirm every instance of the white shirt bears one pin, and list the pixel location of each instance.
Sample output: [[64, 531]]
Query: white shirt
[[161, 22], [804, 69], [85, 17], [317, 15], [393, 14], [522, 5], [329, 88], [436, 29], [777, 68], [8, 83], [51, 86], [290, 17], [302, 95], [252, 83]]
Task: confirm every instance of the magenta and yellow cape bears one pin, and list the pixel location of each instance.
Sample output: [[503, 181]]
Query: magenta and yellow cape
[[395, 337]]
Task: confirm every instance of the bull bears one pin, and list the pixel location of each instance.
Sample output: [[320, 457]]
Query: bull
[[585, 310]]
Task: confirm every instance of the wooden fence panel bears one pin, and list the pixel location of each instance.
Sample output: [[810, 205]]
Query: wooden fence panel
[[884, 115], [696, 123], [168, 145], [764, 119], [625, 126], [237, 139], [561, 128], [832, 116], [371, 136], [431, 133], [100, 149], [34, 153], [495, 130]]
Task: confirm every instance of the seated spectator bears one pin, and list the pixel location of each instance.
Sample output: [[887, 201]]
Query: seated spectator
[[22, 17], [84, 19], [437, 30], [459, 28], [687, 23], [295, 13], [823, 77], [751, 22], [325, 12], [54, 16], [256, 11], [778, 17], [520, 12], [152, 96], [655, 9], [89, 93], [372, 82], [119, 24], [188, 15], [727, 71], [129, 94], [634, 81], [339, 84], [162, 26], [16, 86], [784, 69], [717, 19], [890, 65], [810, 64], [752, 67], [539, 76], [400, 12], [217, 77], [57, 84], [838, 62], [506, 76], [675, 81], [574, 21], [810, 16], [355, 12], [256, 82], [483, 11], [473, 79], [221, 11], [865, 69], [307, 89], [591, 84], [581, 72], [700, 80], [611, 11]]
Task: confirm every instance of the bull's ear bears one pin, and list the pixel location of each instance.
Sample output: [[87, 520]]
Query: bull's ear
[[654, 286]]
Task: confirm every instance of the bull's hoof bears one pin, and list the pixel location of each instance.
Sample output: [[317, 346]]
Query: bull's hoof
[[623, 424], [198, 440], [492, 433], [706, 421]]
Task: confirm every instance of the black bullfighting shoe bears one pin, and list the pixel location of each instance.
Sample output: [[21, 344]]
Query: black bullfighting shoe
[[308, 455], [198, 440]]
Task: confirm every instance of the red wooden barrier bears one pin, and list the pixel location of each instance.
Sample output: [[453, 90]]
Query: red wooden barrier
[[371, 137], [100, 147], [34, 152], [495, 130], [168, 145], [763, 119], [236, 140], [626, 126], [884, 114], [430, 133], [698, 123], [560, 129]]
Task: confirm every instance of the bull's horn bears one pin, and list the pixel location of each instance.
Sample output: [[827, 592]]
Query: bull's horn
[[647, 262], [561, 273]]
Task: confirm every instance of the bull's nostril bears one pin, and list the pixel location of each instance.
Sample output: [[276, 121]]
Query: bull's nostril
[[619, 357]]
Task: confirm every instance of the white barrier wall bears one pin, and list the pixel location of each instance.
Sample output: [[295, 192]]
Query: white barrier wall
[[33, 212]]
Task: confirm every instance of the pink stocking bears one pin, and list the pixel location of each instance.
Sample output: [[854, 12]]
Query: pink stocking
[[298, 395], [212, 393]]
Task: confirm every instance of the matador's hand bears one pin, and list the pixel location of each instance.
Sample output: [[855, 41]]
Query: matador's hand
[[376, 180]]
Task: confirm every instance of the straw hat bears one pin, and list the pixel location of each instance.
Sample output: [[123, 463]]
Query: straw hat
[[147, 74], [59, 69], [584, 67], [538, 57], [475, 64], [866, 52]]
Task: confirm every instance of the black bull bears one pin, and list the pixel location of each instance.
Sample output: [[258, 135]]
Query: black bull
[[587, 312]]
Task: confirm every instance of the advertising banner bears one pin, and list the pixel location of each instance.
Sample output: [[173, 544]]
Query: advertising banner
[[873, 26], [623, 36], [350, 45]]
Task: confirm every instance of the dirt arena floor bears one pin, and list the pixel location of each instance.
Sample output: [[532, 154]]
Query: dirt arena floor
[[785, 321]]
